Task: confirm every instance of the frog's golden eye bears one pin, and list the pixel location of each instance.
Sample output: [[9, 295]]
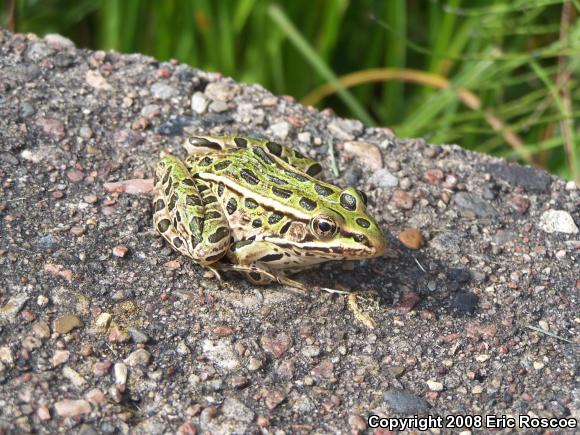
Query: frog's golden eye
[[323, 227]]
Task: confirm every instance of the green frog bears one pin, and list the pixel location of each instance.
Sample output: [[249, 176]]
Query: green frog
[[257, 207]]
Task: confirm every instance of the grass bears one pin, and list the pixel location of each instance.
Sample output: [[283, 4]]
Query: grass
[[499, 77]]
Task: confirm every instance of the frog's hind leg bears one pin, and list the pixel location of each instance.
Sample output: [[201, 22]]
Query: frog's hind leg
[[187, 214]]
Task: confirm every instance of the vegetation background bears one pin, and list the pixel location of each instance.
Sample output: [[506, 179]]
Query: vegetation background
[[497, 76]]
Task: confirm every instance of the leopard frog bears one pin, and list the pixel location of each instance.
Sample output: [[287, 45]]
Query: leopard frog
[[255, 206]]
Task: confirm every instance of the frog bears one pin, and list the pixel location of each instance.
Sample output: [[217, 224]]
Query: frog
[[258, 207]]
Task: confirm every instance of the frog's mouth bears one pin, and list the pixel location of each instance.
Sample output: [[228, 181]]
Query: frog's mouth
[[359, 250]]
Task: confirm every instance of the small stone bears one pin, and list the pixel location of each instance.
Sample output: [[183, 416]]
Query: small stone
[[85, 132], [325, 369], [41, 329], [434, 385], [26, 110], [150, 111], [478, 389], [433, 176], [571, 185], [221, 352], [368, 154], [219, 106], [383, 179], [43, 413], [137, 335], [280, 130], [558, 221], [163, 91], [90, 199], [6, 356], [120, 371], [187, 428], [472, 203], [42, 301], [102, 322], [405, 403], [101, 368], [402, 200], [519, 203], [274, 397], [173, 264], [411, 238], [31, 343], [97, 81], [236, 410], [182, 349], [465, 301], [72, 408], [408, 301], [54, 40], [73, 376], [60, 357], [538, 365], [254, 364], [199, 102], [120, 251], [560, 254], [52, 127], [357, 423], [305, 137], [262, 421], [13, 307], [286, 370], [345, 129], [28, 315], [516, 175], [223, 331], [67, 323], [482, 358], [276, 345], [311, 351], [96, 397], [77, 231], [221, 91], [75, 176], [138, 358]]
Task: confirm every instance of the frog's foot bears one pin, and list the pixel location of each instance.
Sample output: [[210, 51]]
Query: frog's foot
[[362, 305]]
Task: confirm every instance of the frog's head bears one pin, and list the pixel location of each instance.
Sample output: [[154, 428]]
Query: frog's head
[[346, 229]]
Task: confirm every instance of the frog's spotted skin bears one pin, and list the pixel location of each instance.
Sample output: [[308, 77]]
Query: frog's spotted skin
[[254, 206]]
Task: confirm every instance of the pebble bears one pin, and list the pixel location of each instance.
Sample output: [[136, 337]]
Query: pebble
[[199, 102], [138, 358], [6, 356], [101, 368], [60, 357], [120, 251], [305, 137], [75, 176], [433, 176], [43, 412], [516, 175], [57, 41], [96, 397], [73, 376], [52, 127], [367, 154], [558, 221], [325, 369], [405, 403], [236, 410], [280, 130], [222, 353], [26, 110], [408, 301], [345, 129], [85, 132], [434, 385], [102, 322], [383, 179], [137, 335], [571, 185], [120, 371], [470, 202], [411, 238], [13, 307], [67, 323], [72, 408], [357, 423], [465, 302], [30, 343], [519, 203], [97, 81], [41, 329], [77, 231], [221, 91], [274, 397], [219, 106], [402, 200], [277, 345], [311, 351], [150, 111], [163, 91]]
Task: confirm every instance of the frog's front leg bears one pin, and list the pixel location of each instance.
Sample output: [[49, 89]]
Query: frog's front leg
[[187, 214], [262, 262]]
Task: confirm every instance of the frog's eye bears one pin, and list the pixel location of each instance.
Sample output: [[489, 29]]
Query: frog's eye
[[363, 196], [323, 227]]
